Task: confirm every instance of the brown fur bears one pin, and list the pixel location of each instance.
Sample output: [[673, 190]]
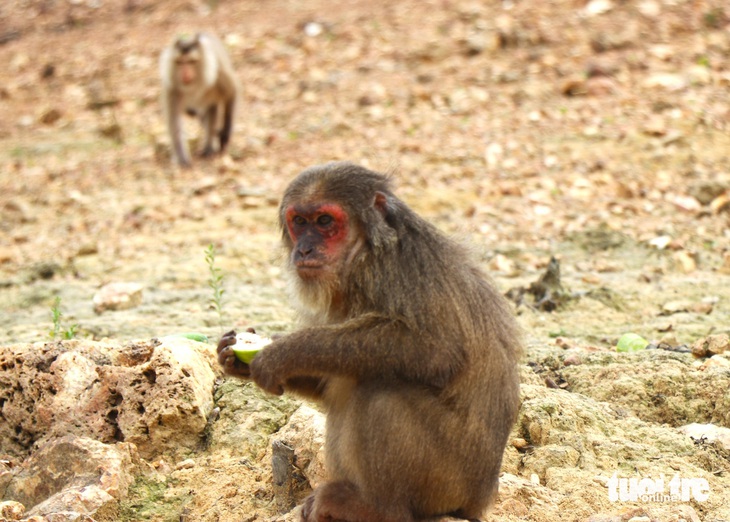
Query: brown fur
[[211, 94], [415, 361]]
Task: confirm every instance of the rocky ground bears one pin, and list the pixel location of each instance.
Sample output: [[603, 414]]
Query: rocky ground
[[596, 132]]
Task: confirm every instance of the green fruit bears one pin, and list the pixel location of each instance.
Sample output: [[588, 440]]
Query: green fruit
[[248, 345], [631, 342], [247, 352], [201, 338]]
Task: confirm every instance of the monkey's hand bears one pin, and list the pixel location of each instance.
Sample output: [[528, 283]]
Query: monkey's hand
[[265, 371], [231, 364]]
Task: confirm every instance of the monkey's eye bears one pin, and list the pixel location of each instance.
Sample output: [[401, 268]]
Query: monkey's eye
[[324, 220], [299, 220]]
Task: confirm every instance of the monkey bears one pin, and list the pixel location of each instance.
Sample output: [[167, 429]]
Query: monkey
[[198, 79], [406, 342]]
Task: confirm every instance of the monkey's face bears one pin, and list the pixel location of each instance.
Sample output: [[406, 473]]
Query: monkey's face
[[320, 235], [186, 68]]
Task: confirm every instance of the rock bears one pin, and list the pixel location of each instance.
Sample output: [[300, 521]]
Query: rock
[[703, 308], [305, 432], [711, 345], [43, 270], [681, 306], [247, 417], [656, 126], [68, 516], [205, 185], [313, 29], [699, 75], [17, 210], [515, 492], [514, 507], [601, 86], [676, 307], [598, 7], [185, 464], [290, 486], [292, 516], [708, 433], [118, 296], [74, 474], [687, 203], [502, 263], [718, 361], [565, 343], [572, 359], [477, 43], [50, 116], [519, 443], [660, 242], [11, 510], [112, 131], [687, 261], [720, 204], [684, 513], [656, 385], [667, 81], [108, 392], [78, 504], [650, 8], [574, 437], [576, 86], [6, 475], [705, 191]]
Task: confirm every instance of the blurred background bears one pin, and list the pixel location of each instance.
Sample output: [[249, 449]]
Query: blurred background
[[593, 131]]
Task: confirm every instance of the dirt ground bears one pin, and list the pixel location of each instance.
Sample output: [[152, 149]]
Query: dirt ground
[[596, 132]]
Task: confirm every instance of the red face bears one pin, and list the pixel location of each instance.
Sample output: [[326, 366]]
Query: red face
[[187, 69], [320, 234]]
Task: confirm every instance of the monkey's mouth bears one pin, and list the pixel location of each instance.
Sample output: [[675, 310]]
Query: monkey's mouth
[[309, 269], [308, 262]]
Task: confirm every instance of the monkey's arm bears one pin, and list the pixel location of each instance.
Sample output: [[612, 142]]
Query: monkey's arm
[[310, 387], [367, 348]]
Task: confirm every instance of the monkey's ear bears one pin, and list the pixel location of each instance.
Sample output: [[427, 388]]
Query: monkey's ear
[[381, 203]]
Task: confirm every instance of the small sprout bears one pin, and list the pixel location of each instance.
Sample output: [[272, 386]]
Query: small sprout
[[70, 333], [56, 315], [560, 333], [215, 282]]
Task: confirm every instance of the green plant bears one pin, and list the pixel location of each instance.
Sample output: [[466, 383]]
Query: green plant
[[215, 282], [56, 315], [560, 333], [714, 18], [70, 332]]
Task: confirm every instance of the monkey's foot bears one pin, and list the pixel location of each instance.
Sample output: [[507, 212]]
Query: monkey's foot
[[207, 152], [341, 502]]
